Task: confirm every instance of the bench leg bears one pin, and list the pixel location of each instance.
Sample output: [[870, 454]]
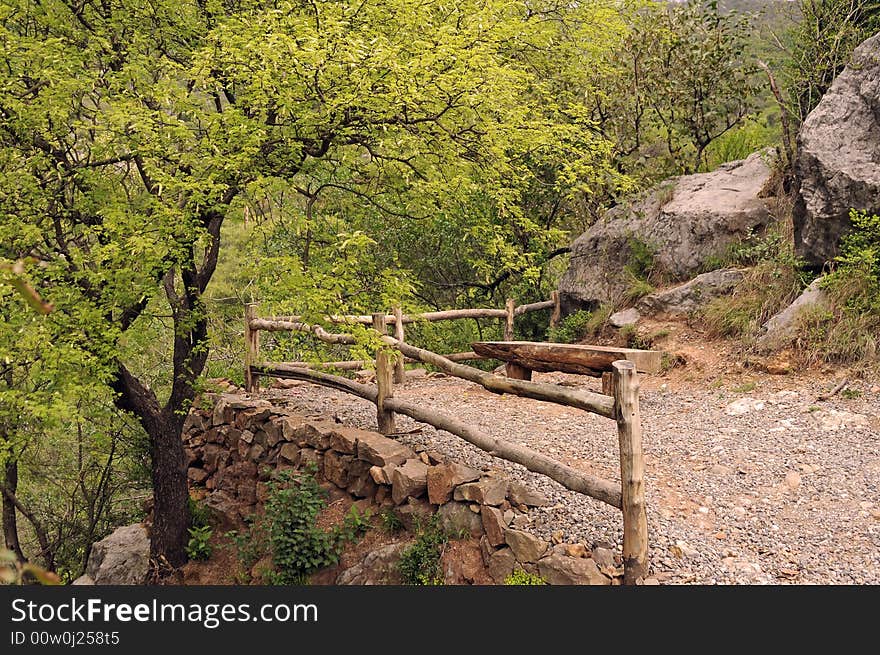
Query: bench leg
[[517, 372]]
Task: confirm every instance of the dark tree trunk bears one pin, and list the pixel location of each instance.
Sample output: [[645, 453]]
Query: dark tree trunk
[[10, 524], [168, 536], [170, 494]]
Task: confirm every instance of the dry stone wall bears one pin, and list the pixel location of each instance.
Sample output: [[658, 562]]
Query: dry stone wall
[[234, 443]]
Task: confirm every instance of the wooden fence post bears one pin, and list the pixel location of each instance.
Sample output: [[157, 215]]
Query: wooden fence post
[[632, 471], [509, 307], [252, 349], [557, 309], [384, 380], [399, 373]]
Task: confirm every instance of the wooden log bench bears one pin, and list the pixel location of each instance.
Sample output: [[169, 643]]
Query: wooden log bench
[[523, 357]]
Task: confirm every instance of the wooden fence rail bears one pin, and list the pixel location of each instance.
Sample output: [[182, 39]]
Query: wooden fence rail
[[620, 401]]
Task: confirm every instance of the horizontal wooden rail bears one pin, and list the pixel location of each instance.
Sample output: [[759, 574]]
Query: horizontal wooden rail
[[533, 307], [444, 315], [567, 476], [587, 400], [360, 364], [295, 326]]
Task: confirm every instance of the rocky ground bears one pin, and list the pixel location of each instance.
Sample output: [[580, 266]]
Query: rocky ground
[[751, 478]]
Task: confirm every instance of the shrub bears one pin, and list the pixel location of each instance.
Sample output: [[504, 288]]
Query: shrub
[[580, 325], [849, 330], [199, 547], [299, 546], [775, 279], [199, 515], [521, 577], [420, 563]]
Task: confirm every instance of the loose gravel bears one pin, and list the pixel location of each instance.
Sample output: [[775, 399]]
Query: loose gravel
[[768, 486]]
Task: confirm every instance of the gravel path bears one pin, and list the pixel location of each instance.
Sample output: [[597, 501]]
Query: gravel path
[[768, 486]]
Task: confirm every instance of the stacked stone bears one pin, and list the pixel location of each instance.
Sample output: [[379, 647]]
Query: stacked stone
[[234, 447]]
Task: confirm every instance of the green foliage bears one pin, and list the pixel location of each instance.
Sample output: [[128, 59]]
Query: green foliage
[[199, 515], [250, 546], [746, 387], [522, 577], [849, 331], [199, 547], [639, 268], [679, 79], [633, 339], [580, 325], [420, 563], [299, 546], [774, 280], [820, 44], [390, 522], [850, 394], [766, 289], [755, 133]]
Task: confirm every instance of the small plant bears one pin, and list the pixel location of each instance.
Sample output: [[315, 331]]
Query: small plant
[[199, 515], [641, 259], [632, 338], [572, 328], [521, 577], [199, 546], [669, 361], [251, 544], [746, 387], [850, 394], [665, 192], [390, 522], [420, 563], [299, 547]]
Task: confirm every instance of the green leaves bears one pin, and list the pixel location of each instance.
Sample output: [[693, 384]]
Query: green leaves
[[299, 546]]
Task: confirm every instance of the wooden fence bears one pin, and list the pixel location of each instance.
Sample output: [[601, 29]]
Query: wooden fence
[[619, 401]]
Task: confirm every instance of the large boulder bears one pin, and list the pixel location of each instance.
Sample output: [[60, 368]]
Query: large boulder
[[122, 558], [838, 161], [685, 222]]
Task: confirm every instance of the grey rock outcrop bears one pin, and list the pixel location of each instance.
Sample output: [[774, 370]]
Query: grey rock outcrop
[[121, 558], [782, 327], [688, 297], [838, 162], [379, 567], [625, 317], [684, 221]]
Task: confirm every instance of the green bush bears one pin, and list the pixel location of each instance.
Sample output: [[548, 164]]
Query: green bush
[[521, 577], [391, 523], [299, 547], [420, 563], [199, 547], [199, 515], [580, 325], [849, 330]]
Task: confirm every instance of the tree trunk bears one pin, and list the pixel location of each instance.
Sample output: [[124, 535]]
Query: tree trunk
[[10, 524], [168, 536], [170, 494]]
